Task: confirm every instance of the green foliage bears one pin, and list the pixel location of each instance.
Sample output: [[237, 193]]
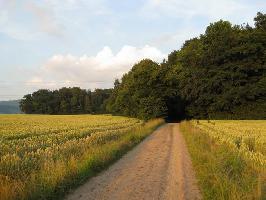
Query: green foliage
[[260, 21], [139, 93], [225, 71], [65, 101], [220, 74]]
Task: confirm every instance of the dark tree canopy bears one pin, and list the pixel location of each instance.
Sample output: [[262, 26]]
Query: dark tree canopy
[[65, 101], [139, 93]]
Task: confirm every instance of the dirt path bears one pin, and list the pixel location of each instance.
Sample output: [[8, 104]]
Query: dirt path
[[158, 168]]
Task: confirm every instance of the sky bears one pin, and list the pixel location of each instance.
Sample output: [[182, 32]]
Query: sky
[[88, 43]]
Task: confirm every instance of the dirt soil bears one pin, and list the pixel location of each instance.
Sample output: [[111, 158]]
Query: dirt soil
[[158, 168]]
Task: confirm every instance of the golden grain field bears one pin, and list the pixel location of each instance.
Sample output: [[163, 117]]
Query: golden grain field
[[229, 157], [246, 136], [41, 155]]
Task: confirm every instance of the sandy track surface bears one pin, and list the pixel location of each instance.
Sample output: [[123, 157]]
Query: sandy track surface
[[158, 168]]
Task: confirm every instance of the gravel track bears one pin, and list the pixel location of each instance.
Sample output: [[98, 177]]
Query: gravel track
[[158, 168]]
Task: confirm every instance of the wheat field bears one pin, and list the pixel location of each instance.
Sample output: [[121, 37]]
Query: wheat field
[[246, 136], [42, 155], [229, 157]]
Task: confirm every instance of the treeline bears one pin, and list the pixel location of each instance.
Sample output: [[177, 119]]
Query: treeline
[[220, 74], [65, 101]]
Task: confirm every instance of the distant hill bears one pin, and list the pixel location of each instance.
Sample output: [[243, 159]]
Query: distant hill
[[9, 107]]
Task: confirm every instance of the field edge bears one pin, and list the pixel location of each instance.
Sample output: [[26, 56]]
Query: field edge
[[104, 157], [222, 173]]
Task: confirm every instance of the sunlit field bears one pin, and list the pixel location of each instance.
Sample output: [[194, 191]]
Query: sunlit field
[[246, 136], [42, 156], [229, 157]]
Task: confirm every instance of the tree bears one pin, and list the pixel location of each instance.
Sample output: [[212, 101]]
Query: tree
[[138, 95], [260, 21], [65, 101], [26, 105]]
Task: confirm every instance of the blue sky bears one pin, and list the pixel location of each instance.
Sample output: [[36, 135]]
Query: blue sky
[[88, 43]]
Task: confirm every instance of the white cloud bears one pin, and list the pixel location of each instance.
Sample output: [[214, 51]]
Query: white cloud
[[46, 20], [31, 20], [27, 20], [14, 30], [213, 10], [92, 71], [91, 6]]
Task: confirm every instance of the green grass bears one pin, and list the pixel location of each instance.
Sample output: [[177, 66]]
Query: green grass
[[222, 172]]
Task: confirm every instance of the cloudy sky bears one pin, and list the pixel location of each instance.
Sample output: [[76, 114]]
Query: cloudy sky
[[89, 43]]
